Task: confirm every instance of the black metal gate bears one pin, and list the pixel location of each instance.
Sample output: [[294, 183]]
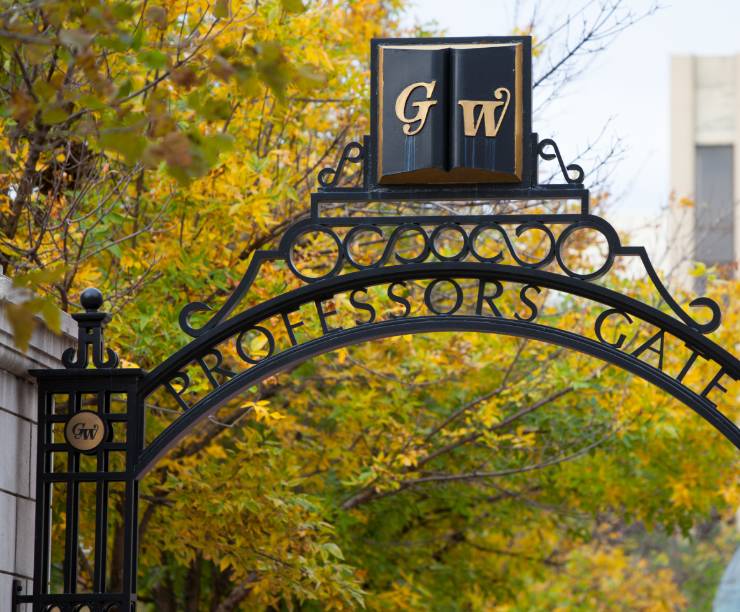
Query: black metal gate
[[91, 421]]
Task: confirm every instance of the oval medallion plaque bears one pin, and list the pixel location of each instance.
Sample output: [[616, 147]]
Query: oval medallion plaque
[[85, 431]]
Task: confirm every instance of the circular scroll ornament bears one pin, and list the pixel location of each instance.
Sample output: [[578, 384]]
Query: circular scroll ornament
[[85, 431]]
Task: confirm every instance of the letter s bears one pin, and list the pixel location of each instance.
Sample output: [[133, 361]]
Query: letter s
[[399, 299], [362, 306]]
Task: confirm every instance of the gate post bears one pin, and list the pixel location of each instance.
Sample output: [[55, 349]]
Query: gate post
[[90, 430]]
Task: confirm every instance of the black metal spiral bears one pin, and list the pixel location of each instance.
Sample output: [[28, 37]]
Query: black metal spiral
[[329, 177], [566, 170]]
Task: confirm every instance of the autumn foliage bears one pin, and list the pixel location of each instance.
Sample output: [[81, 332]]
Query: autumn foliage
[[150, 148]]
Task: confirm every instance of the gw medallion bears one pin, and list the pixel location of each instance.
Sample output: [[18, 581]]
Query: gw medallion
[[85, 431]]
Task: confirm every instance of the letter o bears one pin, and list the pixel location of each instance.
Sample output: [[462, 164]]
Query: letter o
[[458, 296], [270, 342]]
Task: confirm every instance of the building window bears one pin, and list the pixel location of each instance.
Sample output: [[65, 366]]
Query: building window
[[714, 211]]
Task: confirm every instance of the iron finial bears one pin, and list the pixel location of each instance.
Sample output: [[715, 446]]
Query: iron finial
[[91, 299], [90, 334]]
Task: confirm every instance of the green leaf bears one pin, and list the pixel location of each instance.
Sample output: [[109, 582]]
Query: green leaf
[[308, 77], [128, 143], [53, 114], [274, 68], [137, 39], [217, 109], [123, 10], [156, 60], [20, 317], [120, 42], [124, 89], [333, 550], [222, 9], [21, 314], [34, 278], [293, 6], [115, 249], [52, 315], [91, 102], [214, 146], [246, 79], [43, 90]]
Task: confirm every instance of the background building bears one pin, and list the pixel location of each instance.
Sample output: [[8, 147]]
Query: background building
[[705, 164]]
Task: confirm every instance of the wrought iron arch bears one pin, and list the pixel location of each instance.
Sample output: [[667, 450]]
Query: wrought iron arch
[[207, 344], [473, 279]]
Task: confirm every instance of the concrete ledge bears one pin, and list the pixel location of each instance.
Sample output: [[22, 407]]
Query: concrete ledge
[[45, 349]]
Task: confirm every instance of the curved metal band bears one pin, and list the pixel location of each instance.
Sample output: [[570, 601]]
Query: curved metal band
[[414, 325], [324, 289], [483, 271]]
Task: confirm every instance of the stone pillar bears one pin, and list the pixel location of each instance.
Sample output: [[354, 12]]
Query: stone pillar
[[18, 414]]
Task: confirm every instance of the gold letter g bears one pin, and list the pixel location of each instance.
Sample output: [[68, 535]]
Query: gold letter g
[[422, 108]]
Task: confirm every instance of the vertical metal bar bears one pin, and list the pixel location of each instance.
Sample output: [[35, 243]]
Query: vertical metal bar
[[129, 538], [73, 508], [42, 544], [101, 508], [136, 416], [131, 524]]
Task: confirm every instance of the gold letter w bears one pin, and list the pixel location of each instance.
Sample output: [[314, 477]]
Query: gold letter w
[[471, 124]]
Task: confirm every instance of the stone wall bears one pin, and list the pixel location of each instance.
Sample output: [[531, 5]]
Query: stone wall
[[18, 441]]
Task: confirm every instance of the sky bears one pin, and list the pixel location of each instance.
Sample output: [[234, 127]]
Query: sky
[[626, 86]]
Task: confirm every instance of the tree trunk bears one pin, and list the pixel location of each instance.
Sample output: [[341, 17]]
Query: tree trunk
[[192, 585], [238, 594]]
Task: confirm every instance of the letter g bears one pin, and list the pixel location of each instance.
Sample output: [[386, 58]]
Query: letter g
[[422, 108]]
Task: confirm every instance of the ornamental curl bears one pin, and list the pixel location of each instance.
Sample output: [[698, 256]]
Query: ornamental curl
[[566, 170], [329, 177]]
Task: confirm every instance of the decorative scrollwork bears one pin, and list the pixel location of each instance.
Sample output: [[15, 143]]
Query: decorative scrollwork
[[329, 177], [315, 230], [241, 289], [713, 323], [566, 170], [187, 312], [700, 302], [430, 235], [612, 241]]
